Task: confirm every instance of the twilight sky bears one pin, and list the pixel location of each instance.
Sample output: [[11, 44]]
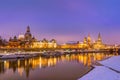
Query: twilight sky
[[64, 20]]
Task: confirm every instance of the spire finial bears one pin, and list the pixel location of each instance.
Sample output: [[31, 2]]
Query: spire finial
[[28, 28], [99, 36]]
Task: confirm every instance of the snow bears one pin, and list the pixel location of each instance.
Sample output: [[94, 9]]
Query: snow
[[101, 73], [110, 70], [8, 56], [15, 56], [113, 63]]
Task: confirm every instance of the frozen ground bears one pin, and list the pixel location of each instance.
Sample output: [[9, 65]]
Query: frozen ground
[[109, 71], [113, 63]]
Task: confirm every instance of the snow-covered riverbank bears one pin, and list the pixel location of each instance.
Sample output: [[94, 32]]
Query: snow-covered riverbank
[[110, 70], [113, 63], [18, 55]]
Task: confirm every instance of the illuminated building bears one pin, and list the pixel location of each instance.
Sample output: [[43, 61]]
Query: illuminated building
[[23, 41], [3, 42], [89, 41], [80, 44], [14, 43], [83, 44], [28, 35], [29, 41], [70, 44], [86, 44], [44, 44], [21, 37], [98, 44]]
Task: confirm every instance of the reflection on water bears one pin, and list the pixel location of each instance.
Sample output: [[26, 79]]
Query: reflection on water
[[25, 67]]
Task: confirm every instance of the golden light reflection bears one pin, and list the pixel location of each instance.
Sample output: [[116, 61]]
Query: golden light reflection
[[20, 71], [40, 62], [6, 64]]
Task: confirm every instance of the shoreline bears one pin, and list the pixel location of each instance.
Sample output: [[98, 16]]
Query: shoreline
[[27, 55], [71, 50], [93, 66], [103, 67], [18, 55]]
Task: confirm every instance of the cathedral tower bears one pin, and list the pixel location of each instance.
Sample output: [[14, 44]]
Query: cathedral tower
[[99, 38], [28, 35], [85, 40], [89, 39]]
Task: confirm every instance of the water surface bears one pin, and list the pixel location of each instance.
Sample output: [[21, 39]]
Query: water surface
[[66, 67]]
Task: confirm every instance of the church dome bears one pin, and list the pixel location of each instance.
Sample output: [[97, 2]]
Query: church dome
[[28, 35], [21, 36]]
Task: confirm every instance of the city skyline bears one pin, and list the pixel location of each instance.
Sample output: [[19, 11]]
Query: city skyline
[[62, 20], [28, 36]]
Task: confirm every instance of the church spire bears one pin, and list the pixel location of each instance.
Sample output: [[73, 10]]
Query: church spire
[[99, 37], [89, 38], [28, 28], [85, 40], [28, 35]]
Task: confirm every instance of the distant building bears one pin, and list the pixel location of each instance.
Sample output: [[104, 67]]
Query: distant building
[[29, 41], [86, 44], [44, 44], [89, 41], [3, 42], [98, 43], [21, 37], [71, 44], [22, 41], [14, 43], [28, 35]]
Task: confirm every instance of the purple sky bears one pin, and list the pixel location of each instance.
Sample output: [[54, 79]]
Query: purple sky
[[64, 20]]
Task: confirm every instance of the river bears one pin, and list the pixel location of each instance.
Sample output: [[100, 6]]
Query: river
[[66, 67]]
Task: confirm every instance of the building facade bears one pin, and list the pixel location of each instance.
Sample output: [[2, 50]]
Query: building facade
[[29, 41], [98, 43], [86, 44], [22, 41], [44, 44]]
